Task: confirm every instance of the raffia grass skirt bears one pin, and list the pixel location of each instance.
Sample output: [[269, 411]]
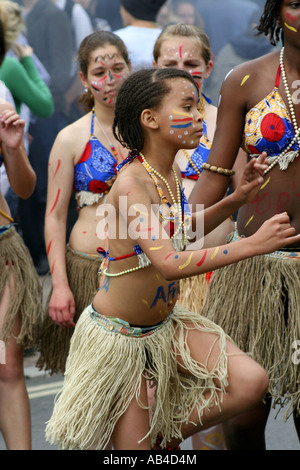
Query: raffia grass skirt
[[25, 290], [193, 291], [257, 303], [104, 372], [54, 340]]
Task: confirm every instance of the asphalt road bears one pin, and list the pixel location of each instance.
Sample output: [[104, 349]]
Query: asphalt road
[[42, 389]]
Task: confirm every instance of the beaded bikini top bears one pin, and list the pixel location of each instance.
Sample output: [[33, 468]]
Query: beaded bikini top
[[268, 127], [168, 217], [95, 172], [200, 154]]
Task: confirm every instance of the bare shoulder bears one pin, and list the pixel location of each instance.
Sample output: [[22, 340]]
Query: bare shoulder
[[73, 138], [250, 82], [132, 183]]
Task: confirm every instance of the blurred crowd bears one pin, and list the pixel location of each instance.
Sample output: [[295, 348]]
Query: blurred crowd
[[54, 29]]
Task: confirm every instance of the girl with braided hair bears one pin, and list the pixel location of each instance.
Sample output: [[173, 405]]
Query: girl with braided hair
[[133, 331], [257, 302]]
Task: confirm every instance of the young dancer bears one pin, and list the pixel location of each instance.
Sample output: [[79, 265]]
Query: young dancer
[[187, 47], [83, 159], [257, 301], [133, 331]]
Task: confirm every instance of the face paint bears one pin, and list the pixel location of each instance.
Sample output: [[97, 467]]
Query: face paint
[[108, 76], [291, 17], [181, 123], [290, 27]]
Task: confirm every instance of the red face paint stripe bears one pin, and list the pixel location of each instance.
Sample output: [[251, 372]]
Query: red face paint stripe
[[202, 259], [291, 17]]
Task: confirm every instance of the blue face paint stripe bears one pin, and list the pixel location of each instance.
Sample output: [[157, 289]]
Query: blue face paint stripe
[[181, 126]]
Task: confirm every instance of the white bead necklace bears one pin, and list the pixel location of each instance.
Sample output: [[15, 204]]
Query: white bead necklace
[[176, 205], [292, 113]]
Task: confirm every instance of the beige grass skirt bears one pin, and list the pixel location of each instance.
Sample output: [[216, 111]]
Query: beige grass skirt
[[54, 340], [104, 371], [257, 303], [18, 271], [193, 291]]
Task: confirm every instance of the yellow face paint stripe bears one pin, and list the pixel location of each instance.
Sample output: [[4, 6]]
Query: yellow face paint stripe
[[181, 114], [153, 248], [187, 262], [290, 27]]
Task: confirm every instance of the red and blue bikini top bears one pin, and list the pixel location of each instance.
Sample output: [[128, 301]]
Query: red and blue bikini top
[[96, 170], [268, 126]]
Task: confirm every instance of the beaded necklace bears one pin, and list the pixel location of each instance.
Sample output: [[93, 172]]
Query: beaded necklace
[[113, 148], [292, 113], [174, 212], [191, 162]]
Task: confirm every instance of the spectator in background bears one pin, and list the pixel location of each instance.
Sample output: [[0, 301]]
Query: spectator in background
[[82, 26], [21, 76], [245, 45], [50, 34], [224, 19], [186, 12], [99, 24], [110, 10], [140, 29]]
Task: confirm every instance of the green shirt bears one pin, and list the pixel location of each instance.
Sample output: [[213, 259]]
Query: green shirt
[[26, 86]]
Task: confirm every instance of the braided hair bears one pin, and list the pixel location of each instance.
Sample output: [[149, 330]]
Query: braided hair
[[144, 89], [269, 21]]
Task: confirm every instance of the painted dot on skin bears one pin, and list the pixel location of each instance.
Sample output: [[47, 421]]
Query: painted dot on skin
[[225, 252], [153, 237], [141, 219], [171, 117], [171, 132], [176, 256]]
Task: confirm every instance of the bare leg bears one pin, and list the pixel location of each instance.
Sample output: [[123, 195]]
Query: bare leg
[[297, 424], [14, 403], [133, 426], [247, 431], [248, 382]]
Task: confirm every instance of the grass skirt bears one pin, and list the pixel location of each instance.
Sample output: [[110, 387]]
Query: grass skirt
[[257, 303], [105, 368], [54, 341], [193, 291], [25, 294]]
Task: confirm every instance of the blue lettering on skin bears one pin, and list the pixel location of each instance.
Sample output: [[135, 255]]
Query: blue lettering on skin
[[173, 291]]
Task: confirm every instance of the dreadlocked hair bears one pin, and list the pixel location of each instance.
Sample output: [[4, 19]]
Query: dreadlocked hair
[[144, 89], [269, 21]]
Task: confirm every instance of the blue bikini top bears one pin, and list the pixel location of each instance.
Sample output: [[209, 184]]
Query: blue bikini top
[[96, 170]]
